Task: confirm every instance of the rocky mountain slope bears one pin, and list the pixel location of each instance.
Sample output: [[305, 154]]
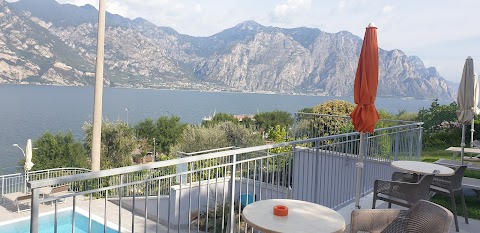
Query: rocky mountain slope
[[44, 42]]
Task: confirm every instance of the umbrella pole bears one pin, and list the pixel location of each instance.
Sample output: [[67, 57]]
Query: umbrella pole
[[25, 183], [471, 132], [361, 153], [463, 142]]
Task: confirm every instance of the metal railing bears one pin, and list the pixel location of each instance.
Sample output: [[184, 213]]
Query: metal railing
[[209, 192], [16, 182], [312, 125]]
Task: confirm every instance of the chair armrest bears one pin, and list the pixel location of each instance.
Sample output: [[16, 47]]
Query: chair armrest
[[411, 192], [372, 220]]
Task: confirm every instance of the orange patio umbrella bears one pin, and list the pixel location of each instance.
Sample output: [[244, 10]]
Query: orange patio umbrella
[[365, 115]]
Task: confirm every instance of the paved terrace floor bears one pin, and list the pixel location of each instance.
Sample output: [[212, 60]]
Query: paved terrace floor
[[8, 212]]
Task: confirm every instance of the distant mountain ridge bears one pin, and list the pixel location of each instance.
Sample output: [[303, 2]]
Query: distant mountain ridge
[[248, 57]]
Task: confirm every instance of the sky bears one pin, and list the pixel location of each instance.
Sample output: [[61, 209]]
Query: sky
[[442, 33]]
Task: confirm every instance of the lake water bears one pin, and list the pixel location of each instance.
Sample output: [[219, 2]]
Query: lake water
[[28, 111]]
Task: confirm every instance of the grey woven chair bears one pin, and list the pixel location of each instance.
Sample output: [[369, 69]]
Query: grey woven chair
[[448, 185], [424, 216], [402, 193]]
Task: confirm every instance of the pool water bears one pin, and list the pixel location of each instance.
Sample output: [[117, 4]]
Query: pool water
[[64, 224]]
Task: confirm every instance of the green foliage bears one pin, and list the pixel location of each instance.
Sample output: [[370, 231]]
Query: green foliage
[[472, 203], [248, 122], [55, 151], [218, 118], [440, 125], [278, 134], [442, 138], [267, 120], [166, 131], [328, 125], [197, 138], [406, 116], [239, 135], [437, 114], [118, 142], [146, 129], [169, 131], [306, 110], [335, 107]]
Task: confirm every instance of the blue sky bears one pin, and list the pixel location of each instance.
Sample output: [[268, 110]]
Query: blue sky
[[442, 33]]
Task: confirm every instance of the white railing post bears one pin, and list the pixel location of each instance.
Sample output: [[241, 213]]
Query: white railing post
[[34, 211], [232, 194], [419, 143], [397, 143]]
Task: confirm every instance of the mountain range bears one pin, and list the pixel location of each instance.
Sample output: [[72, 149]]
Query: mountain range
[[44, 42]]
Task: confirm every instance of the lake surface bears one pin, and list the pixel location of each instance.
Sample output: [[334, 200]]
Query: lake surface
[[28, 111]]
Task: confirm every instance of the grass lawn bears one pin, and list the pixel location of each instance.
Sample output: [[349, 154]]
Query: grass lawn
[[473, 203]]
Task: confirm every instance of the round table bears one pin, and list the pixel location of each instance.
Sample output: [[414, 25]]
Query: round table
[[302, 217], [422, 168]]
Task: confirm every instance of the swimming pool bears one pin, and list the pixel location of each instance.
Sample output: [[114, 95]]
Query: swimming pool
[[64, 223]]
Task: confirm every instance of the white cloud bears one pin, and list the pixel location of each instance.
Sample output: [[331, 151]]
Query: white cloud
[[291, 6], [387, 9]]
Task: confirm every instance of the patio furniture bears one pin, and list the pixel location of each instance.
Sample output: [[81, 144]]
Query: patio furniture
[[474, 152], [402, 193], [45, 191], [453, 163], [59, 191], [302, 217], [19, 199], [448, 186], [424, 216], [422, 168]]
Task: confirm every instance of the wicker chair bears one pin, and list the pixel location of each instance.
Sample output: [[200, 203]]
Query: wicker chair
[[402, 193], [448, 185], [424, 216]]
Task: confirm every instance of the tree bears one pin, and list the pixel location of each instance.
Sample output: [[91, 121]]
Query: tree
[[218, 118], [55, 151], [118, 142], [333, 124], [334, 107], [166, 131], [266, 120], [240, 135], [197, 138], [306, 110], [223, 134], [437, 114], [146, 129]]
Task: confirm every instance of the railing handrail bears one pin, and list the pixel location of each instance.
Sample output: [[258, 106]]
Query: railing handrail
[[330, 115], [46, 171], [59, 169], [418, 124], [13, 174], [171, 162], [207, 151]]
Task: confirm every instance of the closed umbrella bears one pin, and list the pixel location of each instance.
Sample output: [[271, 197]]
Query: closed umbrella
[[365, 115], [28, 156], [467, 98]]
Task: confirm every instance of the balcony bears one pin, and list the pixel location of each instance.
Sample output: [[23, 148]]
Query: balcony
[[205, 191]]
